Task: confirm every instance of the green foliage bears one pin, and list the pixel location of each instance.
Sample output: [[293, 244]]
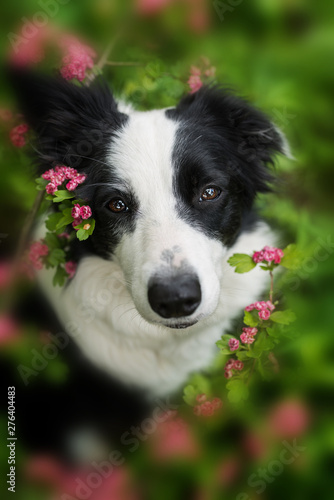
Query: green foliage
[[251, 318], [237, 391], [283, 317], [292, 258], [242, 262]]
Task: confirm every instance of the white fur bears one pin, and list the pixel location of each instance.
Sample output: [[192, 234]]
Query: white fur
[[105, 307]]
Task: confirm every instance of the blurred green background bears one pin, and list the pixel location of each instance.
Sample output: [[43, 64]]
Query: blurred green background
[[278, 54]]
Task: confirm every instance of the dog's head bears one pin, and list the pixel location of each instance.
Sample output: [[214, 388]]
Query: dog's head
[[170, 189]]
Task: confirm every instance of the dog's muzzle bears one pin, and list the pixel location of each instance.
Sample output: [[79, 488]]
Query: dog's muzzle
[[174, 296]]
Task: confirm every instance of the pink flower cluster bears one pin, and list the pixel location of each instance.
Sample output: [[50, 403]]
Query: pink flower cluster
[[17, 135], [77, 59], [173, 437], [195, 82], [61, 173], [265, 308], [31, 51], [36, 251], [80, 213], [70, 268], [247, 337], [207, 408], [232, 364], [268, 254], [233, 344]]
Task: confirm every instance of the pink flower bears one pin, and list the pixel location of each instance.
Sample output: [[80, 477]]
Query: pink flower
[[257, 257], [195, 83], [260, 306], [249, 331], [76, 222], [51, 188], [268, 254], [207, 409], [265, 314], [18, 140], [173, 438], [217, 403], [229, 365], [75, 181], [85, 212], [249, 308], [228, 374], [21, 129], [70, 268], [238, 365], [270, 306], [36, 251], [17, 135], [77, 59], [201, 398], [289, 419], [233, 344], [246, 339], [76, 211]]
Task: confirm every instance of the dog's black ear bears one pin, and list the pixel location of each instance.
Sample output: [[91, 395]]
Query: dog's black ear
[[249, 138], [70, 121]]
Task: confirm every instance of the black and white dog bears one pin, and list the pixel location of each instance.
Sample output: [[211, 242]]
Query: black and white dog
[[172, 192]]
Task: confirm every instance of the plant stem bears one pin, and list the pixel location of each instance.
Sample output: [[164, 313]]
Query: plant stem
[[251, 372], [271, 293]]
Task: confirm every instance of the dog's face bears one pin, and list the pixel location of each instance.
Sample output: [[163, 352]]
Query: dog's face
[[170, 189]]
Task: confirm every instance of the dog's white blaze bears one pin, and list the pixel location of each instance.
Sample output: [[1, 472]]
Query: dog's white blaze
[[142, 156], [100, 306]]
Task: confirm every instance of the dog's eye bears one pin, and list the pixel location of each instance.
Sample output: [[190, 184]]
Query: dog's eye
[[210, 193], [117, 205]]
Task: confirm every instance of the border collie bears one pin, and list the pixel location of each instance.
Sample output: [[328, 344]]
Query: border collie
[[172, 192]]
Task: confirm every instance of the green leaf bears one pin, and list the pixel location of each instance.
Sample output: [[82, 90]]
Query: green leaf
[[83, 234], [242, 355], [251, 318], [62, 195], [293, 258], [189, 395], [261, 344], [52, 221], [238, 391], [60, 276], [56, 256], [201, 383], [65, 220], [265, 370], [242, 262], [283, 317], [52, 241]]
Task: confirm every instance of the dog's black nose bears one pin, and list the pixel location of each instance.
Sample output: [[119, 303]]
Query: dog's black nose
[[174, 297]]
